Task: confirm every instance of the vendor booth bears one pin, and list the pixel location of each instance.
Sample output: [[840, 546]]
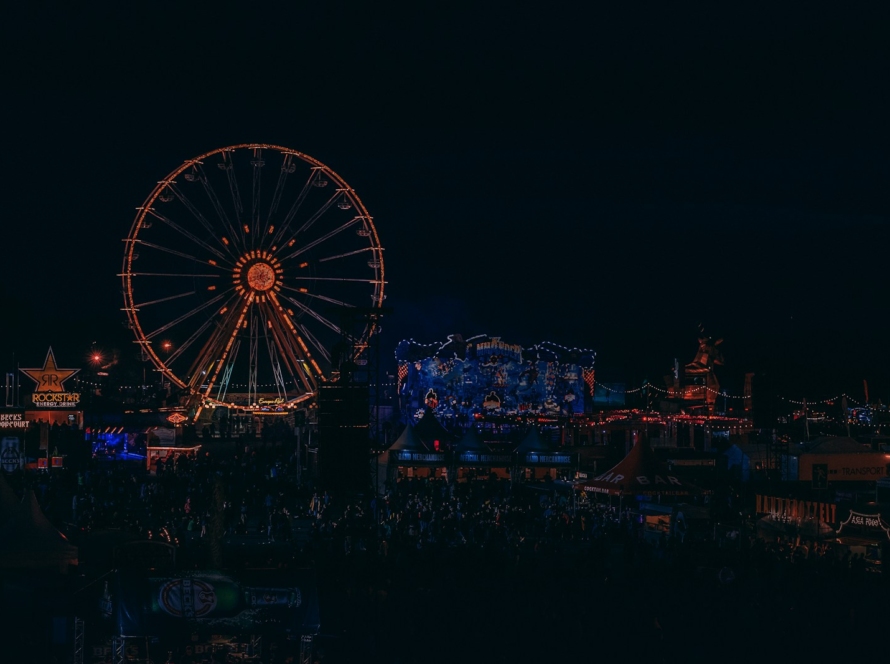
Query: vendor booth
[[538, 457], [471, 456], [786, 516], [408, 456], [436, 437], [640, 473], [864, 530]]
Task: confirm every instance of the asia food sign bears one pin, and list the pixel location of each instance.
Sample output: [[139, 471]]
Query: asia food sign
[[50, 379], [864, 525]]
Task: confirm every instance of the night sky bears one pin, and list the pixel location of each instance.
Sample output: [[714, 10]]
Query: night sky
[[605, 180]]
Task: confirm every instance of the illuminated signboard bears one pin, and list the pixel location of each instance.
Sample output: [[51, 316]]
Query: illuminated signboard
[[265, 401], [13, 421], [793, 508], [864, 524], [487, 375], [843, 467], [50, 391], [13, 427]]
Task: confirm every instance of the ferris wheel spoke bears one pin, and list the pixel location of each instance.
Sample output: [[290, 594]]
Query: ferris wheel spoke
[[289, 217], [175, 252], [228, 329], [363, 281], [252, 366], [296, 356], [162, 299], [227, 372], [303, 350], [229, 167], [257, 163], [168, 274], [276, 339], [317, 316], [271, 347], [348, 253], [185, 345], [217, 206], [172, 224], [188, 342], [324, 352], [186, 315], [286, 169], [318, 213], [324, 238], [319, 297], [205, 355], [205, 358], [197, 214]]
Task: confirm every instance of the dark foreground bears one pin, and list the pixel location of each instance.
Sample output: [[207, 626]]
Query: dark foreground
[[481, 572]]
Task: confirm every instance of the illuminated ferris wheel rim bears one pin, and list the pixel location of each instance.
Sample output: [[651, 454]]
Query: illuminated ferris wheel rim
[[257, 273]]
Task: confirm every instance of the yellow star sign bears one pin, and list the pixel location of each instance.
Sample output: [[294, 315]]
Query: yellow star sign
[[50, 378]]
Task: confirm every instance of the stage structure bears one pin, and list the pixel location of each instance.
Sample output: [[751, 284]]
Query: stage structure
[[486, 375], [348, 425], [231, 267]]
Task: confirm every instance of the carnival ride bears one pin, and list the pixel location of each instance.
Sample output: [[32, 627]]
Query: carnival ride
[[233, 293]]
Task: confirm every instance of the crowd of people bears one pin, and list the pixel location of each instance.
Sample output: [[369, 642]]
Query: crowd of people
[[423, 551], [264, 496]]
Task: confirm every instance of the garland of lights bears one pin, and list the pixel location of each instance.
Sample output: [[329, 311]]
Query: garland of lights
[[693, 388]]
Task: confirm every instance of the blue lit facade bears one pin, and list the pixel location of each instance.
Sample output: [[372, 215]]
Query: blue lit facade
[[488, 375]]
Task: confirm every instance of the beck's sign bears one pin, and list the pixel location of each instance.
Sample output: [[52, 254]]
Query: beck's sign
[[13, 421]]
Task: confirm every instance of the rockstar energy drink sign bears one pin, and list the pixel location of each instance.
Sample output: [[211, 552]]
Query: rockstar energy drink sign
[[50, 390]]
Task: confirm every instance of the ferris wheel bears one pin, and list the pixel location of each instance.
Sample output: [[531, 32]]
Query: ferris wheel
[[235, 269]]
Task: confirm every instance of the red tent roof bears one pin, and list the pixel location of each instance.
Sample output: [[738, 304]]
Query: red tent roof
[[29, 540], [640, 472]]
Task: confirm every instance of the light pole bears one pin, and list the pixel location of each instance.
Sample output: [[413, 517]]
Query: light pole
[[96, 362]]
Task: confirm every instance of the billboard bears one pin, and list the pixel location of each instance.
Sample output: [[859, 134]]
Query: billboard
[[853, 467], [218, 602], [487, 374], [49, 391]]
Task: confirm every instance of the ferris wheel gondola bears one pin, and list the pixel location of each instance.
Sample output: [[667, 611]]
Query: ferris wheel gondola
[[230, 275]]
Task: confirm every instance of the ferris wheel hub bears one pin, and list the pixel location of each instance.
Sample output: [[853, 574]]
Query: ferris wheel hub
[[257, 272], [261, 276]]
